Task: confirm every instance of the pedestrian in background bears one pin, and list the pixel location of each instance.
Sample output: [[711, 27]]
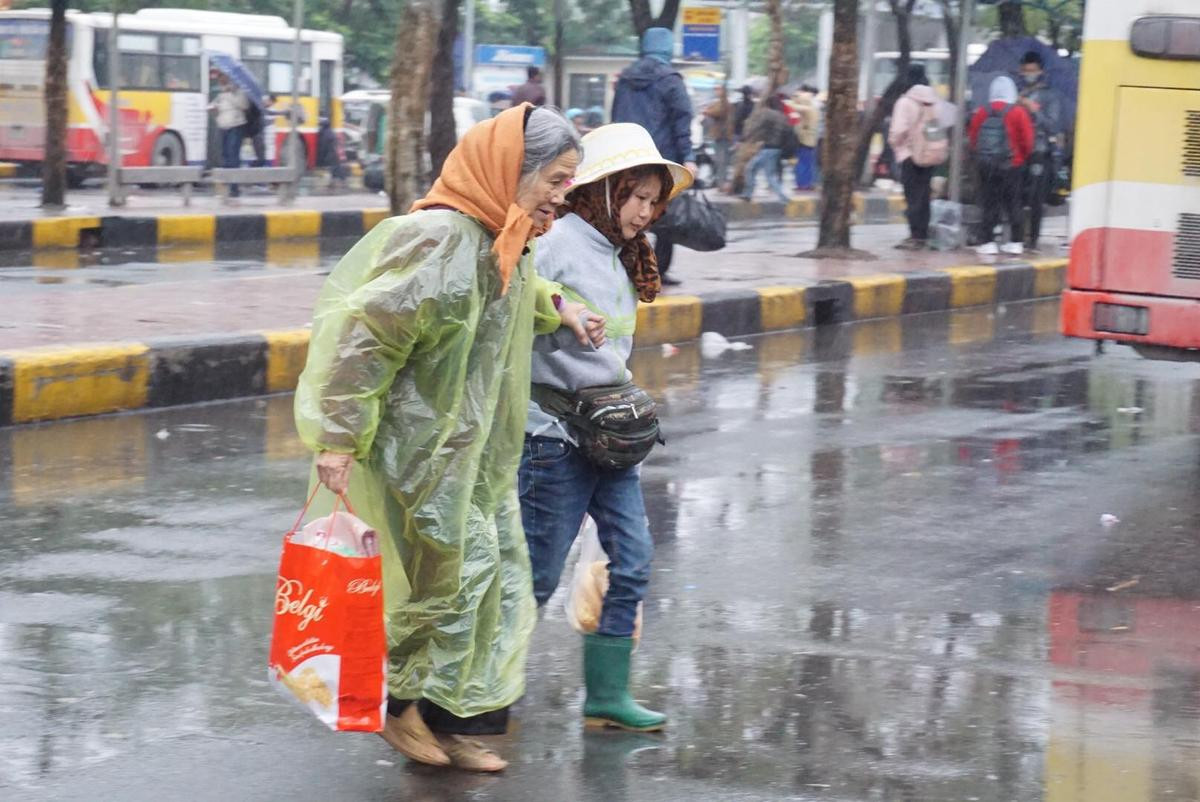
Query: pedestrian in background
[[719, 128], [418, 378], [532, 91], [231, 105], [916, 109], [804, 103], [1001, 135], [621, 188], [1045, 105], [769, 129], [651, 93]]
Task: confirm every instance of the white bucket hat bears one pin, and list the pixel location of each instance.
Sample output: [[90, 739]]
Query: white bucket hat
[[618, 146]]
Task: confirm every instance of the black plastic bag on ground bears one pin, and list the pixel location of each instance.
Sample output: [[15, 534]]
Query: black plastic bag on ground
[[693, 222]]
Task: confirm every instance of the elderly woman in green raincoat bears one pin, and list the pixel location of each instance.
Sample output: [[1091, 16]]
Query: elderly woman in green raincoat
[[418, 377]]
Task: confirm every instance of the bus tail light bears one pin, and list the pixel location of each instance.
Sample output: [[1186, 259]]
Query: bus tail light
[[1121, 319]]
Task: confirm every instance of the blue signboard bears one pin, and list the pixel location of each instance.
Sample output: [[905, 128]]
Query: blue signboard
[[510, 56], [702, 42]]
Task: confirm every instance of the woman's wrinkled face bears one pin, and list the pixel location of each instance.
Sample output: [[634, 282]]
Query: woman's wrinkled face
[[638, 212], [541, 193]]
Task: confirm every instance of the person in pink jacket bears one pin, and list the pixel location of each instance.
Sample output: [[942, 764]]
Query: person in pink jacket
[[917, 180]]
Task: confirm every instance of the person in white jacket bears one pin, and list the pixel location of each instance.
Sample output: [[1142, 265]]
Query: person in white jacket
[[917, 180]]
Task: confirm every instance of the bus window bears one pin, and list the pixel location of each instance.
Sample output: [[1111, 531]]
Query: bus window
[[150, 61], [325, 89], [23, 40], [271, 65]]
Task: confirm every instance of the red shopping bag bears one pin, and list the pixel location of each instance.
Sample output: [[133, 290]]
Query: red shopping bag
[[328, 647]]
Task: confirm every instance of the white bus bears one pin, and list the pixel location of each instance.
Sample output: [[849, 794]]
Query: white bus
[[164, 83]]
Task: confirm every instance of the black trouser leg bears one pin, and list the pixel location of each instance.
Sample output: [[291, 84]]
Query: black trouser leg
[[1014, 201], [918, 191], [664, 249], [1038, 182], [494, 722], [991, 198]]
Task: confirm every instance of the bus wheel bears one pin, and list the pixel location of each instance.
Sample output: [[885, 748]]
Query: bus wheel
[[168, 151]]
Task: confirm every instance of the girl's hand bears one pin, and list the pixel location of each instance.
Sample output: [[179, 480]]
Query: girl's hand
[[333, 470], [588, 328]]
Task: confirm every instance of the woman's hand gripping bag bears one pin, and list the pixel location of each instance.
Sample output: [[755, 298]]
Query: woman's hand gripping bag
[[328, 647]]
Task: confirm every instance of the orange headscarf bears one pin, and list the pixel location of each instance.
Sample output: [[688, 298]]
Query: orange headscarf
[[480, 179]]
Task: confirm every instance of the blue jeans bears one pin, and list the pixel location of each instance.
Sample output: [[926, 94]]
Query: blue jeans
[[766, 160], [806, 160], [231, 151], [558, 486]]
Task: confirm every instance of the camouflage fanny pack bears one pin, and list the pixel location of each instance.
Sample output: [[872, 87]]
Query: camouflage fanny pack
[[616, 425]]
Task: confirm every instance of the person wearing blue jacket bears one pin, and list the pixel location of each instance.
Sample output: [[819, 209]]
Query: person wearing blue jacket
[[651, 93]]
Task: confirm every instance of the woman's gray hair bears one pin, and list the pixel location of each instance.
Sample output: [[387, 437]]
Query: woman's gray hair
[[548, 135]]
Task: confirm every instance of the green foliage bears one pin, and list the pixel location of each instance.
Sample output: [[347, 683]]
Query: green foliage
[[800, 25]]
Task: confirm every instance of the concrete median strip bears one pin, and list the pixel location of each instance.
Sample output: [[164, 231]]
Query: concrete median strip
[[62, 382], [167, 230]]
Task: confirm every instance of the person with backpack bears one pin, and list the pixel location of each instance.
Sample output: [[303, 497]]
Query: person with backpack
[[1046, 107], [651, 93], [918, 138], [1001, 135]]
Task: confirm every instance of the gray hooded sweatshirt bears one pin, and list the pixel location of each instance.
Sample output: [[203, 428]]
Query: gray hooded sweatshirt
[[587, 266]]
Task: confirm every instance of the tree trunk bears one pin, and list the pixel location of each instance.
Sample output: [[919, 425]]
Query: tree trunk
[[951, 20], [777, 72], [1012, 18], [412, 67], [643, 19], [560, 99], [841, 111], [443, 134], [54, 156], [902, 11]]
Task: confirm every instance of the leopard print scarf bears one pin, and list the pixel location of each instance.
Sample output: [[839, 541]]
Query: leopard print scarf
[[592, 203]]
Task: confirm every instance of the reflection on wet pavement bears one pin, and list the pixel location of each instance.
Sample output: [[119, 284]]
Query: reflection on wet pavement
[[880, 575]]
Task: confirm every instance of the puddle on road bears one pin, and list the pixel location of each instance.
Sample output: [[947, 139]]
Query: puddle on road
[[880, 574]]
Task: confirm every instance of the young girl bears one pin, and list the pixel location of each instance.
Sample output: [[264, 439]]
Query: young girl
[[600, 256]]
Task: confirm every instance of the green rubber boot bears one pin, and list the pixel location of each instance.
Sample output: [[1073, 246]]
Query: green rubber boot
[[606, 674]]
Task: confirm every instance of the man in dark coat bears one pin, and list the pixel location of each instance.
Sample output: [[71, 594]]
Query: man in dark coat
[[651, 93], [532, 91]]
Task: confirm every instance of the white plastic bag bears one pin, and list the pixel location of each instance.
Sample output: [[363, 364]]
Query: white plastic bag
[[589, 583]]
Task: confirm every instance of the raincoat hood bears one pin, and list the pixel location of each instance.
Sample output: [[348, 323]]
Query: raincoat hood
[[922, 94], [480, 179], [645, 72], [1003, 89], [659, 44]]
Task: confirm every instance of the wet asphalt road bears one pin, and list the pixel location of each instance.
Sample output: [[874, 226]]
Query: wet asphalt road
[[881, 575]]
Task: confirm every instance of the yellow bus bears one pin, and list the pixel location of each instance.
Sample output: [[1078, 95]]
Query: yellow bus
[[1134, 271], [164, 86]]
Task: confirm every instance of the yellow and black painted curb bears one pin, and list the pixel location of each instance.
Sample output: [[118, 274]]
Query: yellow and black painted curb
[[233, 230], [71, 381]]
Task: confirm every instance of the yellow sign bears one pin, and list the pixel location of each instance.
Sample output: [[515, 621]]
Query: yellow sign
[[696, 15]]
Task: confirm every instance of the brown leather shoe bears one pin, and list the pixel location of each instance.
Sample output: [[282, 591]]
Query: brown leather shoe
[[470, 755], [408, 735]]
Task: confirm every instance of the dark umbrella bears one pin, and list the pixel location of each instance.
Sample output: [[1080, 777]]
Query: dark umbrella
[[236, 71]]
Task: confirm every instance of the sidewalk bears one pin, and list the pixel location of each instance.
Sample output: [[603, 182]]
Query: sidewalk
[[153, 218], [130, 336]]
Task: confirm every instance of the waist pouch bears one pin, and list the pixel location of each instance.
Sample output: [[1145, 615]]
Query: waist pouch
[[616, 424]]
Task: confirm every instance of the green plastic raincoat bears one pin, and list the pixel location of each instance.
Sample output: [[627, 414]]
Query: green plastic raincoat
[[419, 367]]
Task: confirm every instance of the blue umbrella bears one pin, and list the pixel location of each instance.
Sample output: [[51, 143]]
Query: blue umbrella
[[242, 78]]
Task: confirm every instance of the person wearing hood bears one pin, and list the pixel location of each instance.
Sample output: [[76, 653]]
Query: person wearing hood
[[908, 116], [651, 93], [1001, 135]]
